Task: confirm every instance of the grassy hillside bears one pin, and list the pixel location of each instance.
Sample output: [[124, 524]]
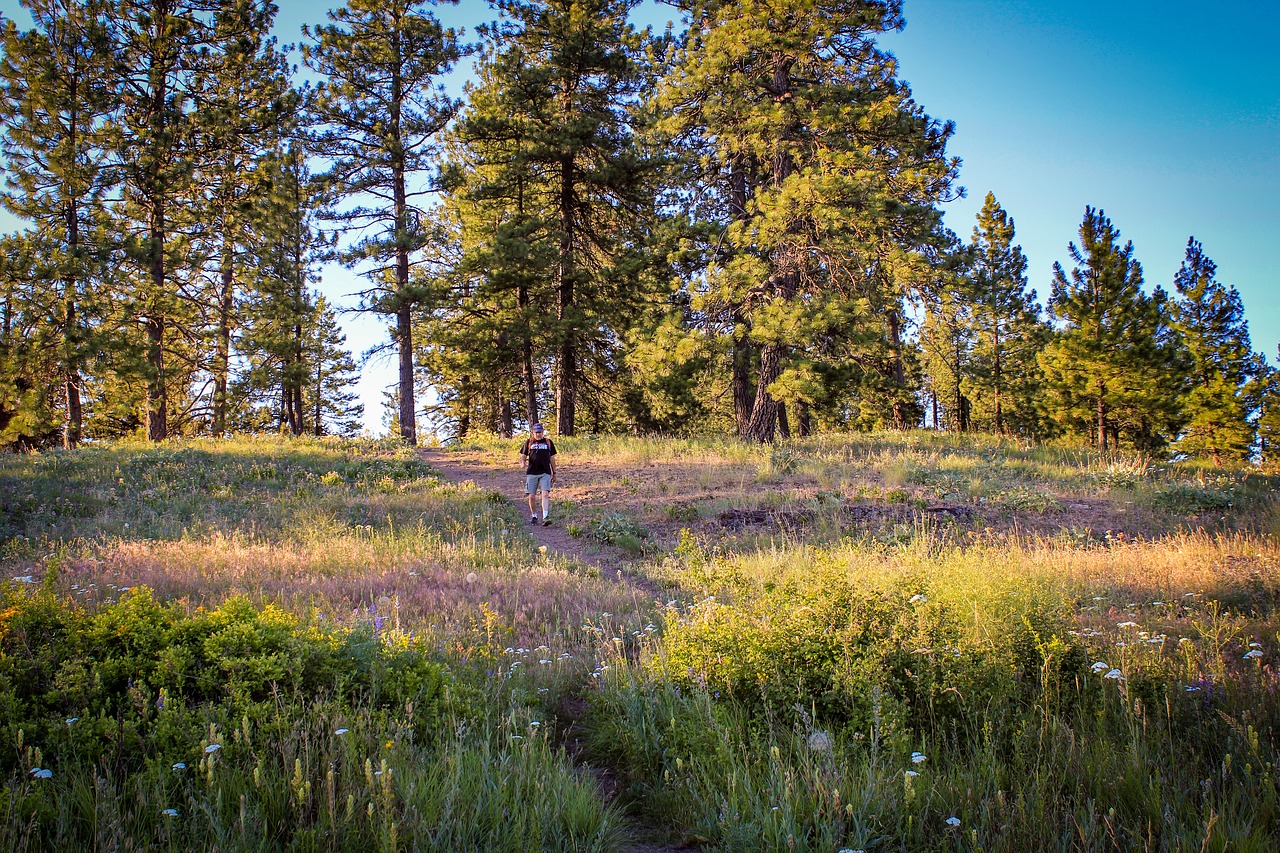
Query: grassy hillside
[[895, 641]]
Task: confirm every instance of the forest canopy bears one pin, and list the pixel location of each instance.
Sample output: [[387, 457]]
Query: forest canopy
[[735, 227]]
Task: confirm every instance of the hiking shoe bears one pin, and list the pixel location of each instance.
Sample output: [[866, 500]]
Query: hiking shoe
[[546, 522], [533, 519]]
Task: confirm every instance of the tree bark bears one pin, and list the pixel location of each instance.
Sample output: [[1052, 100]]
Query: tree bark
[[764, 413], [222, 353], [743, 400], [404, 316], [1102, 417], [784, 423], [804, 420], [567, 356], [899, 376]]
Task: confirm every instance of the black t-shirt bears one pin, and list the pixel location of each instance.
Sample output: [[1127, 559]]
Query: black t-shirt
[[539, 451]]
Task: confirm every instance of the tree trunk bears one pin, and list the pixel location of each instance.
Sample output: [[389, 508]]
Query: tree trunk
[[527, 376], [743, 399], [296, 375], [998, 377], [318, 426], [899, 377], [567, 361], [157, 404], [71, 430], [222, 354], [404, 336], [784, 423], [404, 316], [764, 413], [1102, 417], [804, 421], [506, 423]]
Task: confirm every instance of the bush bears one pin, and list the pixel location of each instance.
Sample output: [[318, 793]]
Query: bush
[[617, 529], [828, 646], [1191, 499], [139, 671]]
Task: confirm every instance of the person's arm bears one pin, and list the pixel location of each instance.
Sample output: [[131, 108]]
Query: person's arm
[[524, 451], [552, 459]]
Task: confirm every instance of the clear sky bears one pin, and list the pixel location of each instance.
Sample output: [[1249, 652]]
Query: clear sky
[[1164, 114]]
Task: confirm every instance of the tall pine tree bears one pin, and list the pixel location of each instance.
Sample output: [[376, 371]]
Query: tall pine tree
[[827, 175], [1209, 319], [1003, 376], [1111, 370], [158, 46], [376, 118], [55, 96], [246, 112], [560, 186]]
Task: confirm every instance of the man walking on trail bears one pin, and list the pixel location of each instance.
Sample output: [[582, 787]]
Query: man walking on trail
[[538, 455]]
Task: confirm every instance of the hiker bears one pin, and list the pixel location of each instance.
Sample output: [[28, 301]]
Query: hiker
[[538, 455]]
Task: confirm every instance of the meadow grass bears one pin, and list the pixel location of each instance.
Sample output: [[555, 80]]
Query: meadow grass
[[385, 659], [1034, 695], [342, 540]]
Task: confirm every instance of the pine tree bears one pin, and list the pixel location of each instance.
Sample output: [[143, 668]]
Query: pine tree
[[55, 97], [376, 121], [1003, 375], [1112, 368], [1209, 319], [826, 176], [1266, 391], [561, 188], [288, 248], [157, 47], [30, 369], [332, 406], [246, 110], [947, 342]]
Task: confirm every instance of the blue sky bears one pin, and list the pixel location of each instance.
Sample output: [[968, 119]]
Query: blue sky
[[1164, 114]]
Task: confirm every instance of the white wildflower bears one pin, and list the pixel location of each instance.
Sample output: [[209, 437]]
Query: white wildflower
[[211, 748], [820, 741], [918, 758], [1099, 666], [341, 732], [1115, 675], [953, 822], [169, 812]]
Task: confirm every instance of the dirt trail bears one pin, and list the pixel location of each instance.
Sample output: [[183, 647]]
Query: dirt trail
[[509, 481], [503, 477]]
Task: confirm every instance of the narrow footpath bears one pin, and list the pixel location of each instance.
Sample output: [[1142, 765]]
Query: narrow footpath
[[508, 481], [611, 564]]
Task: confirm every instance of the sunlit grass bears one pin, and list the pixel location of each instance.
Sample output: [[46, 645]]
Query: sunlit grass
[[1069, 686]]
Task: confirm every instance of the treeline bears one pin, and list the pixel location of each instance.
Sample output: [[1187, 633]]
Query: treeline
[[732, 227]]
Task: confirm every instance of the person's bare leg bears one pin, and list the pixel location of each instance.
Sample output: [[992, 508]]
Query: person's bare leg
[[546, 504], [533, 513]]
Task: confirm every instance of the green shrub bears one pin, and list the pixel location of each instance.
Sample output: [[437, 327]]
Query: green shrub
[[1191, 498], [829, 645], [137, 670], [620, 530]]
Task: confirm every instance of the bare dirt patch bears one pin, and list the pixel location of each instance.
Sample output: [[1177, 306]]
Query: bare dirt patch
[[717, 498]]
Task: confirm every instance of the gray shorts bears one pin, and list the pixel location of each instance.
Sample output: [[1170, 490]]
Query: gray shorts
[[533, 482]]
